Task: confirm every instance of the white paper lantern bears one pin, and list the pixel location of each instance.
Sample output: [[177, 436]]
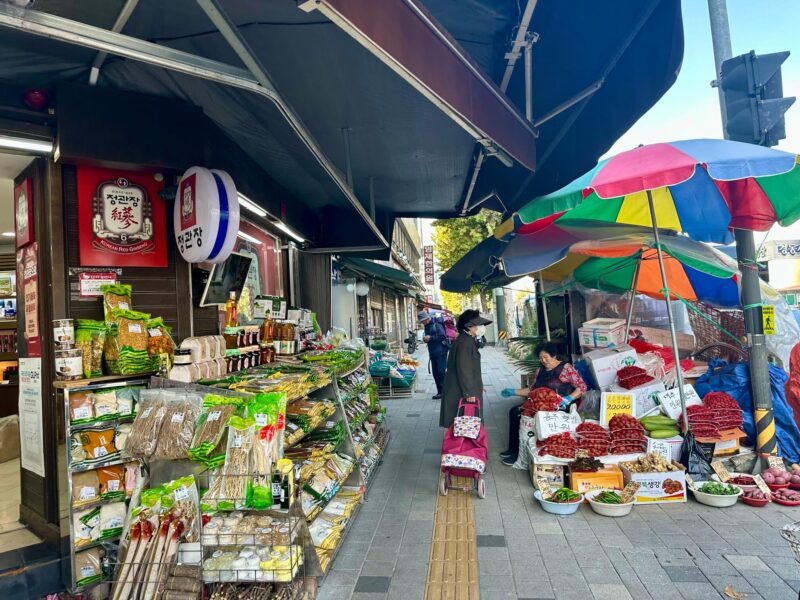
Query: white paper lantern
[[362, 288], [206, 215]]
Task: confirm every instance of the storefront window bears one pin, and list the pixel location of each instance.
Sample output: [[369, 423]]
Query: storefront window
[[264, 277]]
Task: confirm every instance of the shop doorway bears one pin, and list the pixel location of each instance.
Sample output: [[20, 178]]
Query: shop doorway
[[13, 534]]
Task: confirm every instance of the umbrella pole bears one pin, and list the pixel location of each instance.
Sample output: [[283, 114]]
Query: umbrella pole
[[544, 308], [632, 299], [669, 310]]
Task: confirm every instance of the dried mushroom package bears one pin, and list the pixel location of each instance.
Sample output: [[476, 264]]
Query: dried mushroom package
[[177, 430], [146, 426]]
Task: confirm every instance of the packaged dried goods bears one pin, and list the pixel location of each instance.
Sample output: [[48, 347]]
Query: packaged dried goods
[[88, 566], [177, 430], [63, 333], [212, 425], [105, 403], [81, 407], [76, 453], [144, 433], [69, 364], [84, 533], [182, 499], [127, 397], [121, 436], [98, 444], [112, 519], [112, 482], [85, 488], [159, 338], [133, 476], [115, 297], [232, 487], [126, 344], [649, 463], [90, 337]]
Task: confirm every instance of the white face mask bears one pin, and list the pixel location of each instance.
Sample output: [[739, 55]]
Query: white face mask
[[481, 330]]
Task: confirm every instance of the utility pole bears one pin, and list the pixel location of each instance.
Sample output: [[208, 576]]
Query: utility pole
[[746, 253]]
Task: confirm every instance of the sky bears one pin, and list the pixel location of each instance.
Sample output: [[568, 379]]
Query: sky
[[690, 109]]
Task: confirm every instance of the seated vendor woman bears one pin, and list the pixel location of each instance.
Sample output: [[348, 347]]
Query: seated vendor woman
[[555, 374]]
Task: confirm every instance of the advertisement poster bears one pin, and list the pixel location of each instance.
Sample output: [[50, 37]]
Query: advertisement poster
[[23, 212], [28, 279], [30, 415], [122, 221]]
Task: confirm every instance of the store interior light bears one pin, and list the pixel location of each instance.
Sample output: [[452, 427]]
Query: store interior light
[[8, 234], [289, 231], [254, 208], [18, 143], [248, 238]]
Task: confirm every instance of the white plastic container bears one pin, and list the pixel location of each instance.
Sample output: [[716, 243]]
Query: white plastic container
[[602, 333], [608, 510], [715, 500]]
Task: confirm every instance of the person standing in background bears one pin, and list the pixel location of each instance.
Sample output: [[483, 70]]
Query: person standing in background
[[438, 346]]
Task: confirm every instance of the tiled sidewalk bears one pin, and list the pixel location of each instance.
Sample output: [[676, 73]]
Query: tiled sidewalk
[[686, 551]]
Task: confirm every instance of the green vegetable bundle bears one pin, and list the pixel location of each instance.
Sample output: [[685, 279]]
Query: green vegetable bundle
[[564, 495], [718, 489]]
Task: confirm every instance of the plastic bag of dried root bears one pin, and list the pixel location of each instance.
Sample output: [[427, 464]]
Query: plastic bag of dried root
[[144, 433], [236, 487], [177, 431], [181, 497]]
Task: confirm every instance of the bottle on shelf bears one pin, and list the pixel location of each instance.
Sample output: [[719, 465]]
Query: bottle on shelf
[[231, 316]]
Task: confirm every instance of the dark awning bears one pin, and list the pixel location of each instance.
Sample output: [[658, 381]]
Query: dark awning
[[377, 272], [403, 153]]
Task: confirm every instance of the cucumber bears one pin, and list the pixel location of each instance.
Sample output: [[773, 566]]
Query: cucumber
[[664, 421], [659, 434]]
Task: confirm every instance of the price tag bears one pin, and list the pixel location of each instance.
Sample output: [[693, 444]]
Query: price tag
[[82, 412], [181, 493], [544, 487], [762, 485], [87, 493], [261, 419], [612, 404], [87, 572], [628, 492], [155, 332], [661, 447], [134, 328], [689, 481], [236, 442], [100, 452], [720, 470], [146, 412], [214, 415], [775, 462], [177, 418], [113, 485], [581, 453]]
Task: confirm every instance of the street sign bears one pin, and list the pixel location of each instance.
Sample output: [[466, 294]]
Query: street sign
[[768, 319], [427, 255]]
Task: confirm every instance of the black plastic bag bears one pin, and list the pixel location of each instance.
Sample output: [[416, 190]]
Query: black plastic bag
[[694, 459]]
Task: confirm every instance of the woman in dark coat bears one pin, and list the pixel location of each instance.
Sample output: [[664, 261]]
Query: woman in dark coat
[[463, 376]]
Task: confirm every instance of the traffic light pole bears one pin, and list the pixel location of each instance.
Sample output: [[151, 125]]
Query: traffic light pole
[[746, 253]]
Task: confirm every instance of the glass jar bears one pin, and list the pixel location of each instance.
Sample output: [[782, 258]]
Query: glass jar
[[231, 337]]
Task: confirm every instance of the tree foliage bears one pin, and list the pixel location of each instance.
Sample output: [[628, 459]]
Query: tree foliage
[[452, 239]]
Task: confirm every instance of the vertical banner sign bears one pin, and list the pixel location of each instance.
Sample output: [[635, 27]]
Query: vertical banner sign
[[28, 283], [23, 212], [122, 221], [30, 415], [427, 254]]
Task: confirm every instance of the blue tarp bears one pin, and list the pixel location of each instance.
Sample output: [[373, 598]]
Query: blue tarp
[[734, 379]]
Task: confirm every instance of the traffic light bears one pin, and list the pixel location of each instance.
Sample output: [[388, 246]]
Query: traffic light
[[754, 101]]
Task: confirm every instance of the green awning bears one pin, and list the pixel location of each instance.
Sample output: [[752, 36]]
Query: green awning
[[377, 272]]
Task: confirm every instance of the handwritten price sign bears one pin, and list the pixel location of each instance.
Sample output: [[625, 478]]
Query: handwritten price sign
[[671, 400], [612, 404]]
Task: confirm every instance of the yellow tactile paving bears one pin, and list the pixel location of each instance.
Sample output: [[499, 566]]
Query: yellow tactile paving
[[453, 563]]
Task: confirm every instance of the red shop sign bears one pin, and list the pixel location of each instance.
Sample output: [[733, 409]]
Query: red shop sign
[[122, 221], [23, 212], [28, 275]]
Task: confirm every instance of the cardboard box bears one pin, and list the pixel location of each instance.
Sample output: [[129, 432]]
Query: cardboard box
[[606, 478], [727, 443], [645, 397], [651, 490], [601, 333], [555, 474], [605, 363], [669, 448]]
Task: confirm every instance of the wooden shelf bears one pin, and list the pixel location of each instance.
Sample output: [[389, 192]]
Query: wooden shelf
[[7, 356]]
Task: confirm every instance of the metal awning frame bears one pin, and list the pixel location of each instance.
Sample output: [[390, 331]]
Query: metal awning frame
[[111, 42]]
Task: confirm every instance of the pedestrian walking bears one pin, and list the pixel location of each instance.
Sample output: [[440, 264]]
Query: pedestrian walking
[[438, 347], [463, 378]]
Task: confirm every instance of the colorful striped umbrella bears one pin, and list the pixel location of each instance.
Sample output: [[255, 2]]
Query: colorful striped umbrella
[[695, 271], [700, 187]]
